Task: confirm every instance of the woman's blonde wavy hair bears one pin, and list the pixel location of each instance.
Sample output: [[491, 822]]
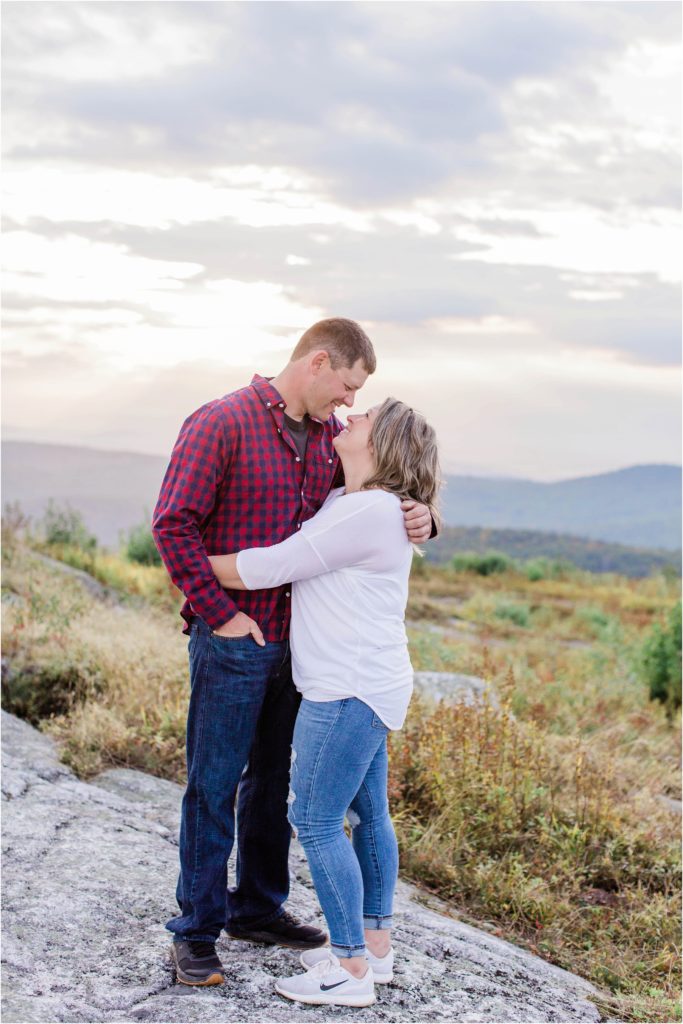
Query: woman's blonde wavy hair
[[406, 455]]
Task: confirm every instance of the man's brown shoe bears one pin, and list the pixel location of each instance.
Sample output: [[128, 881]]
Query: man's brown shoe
[[196, 963], [285, 930]]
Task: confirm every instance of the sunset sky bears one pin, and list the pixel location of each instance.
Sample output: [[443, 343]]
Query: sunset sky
[[491, 189]]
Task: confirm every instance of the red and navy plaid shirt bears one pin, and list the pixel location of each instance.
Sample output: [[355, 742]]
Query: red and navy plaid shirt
[[235, 481]]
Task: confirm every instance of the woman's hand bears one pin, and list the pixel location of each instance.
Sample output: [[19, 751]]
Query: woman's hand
[[418, 521]]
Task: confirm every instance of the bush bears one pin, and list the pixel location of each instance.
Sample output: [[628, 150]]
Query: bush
[[543, 568], [140, 546], [661, 661], [593, 623], [514, 612], [63, 525], [483, 564]]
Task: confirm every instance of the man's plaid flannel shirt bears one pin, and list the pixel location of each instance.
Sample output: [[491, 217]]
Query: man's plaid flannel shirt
[[235, 480]]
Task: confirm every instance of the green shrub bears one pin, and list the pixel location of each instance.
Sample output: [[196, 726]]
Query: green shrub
[[483, 564], [593, 616], [513, 611], [63, 525], [140, 546], [543, 568], [661, 661]]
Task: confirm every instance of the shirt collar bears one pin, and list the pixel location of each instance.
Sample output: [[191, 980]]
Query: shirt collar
[[269, 395]]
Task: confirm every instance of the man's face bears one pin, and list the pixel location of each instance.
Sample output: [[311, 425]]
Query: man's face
[[331, 388]]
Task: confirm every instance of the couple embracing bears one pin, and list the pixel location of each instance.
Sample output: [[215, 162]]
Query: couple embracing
[[272, 513]]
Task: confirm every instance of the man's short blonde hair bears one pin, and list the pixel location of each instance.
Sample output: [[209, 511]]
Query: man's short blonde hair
[[345, 342]]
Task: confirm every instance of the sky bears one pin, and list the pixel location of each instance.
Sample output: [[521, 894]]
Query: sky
[[492, 189]]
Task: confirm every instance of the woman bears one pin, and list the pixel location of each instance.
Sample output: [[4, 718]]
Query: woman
[[349, 566]]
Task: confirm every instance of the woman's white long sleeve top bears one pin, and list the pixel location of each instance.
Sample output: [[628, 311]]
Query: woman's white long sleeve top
[[349, 567]]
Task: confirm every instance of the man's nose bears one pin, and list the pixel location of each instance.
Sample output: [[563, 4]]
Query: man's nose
[[348, 399]]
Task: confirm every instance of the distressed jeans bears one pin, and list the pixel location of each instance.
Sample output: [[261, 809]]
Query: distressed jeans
[[339, 768], [243, 705]]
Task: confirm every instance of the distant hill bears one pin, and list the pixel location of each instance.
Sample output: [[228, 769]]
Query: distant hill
[[593, 555], [112, 490], [640, 506]]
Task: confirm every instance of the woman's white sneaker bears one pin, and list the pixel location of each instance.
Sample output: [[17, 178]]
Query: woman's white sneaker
[[328, 983], [382, 966]]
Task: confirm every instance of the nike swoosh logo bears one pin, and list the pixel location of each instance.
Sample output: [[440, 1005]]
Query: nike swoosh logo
[[326, 988]]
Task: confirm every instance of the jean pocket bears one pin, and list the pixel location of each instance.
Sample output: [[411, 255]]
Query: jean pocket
[[377, 723], [221, 641], [236, 673]]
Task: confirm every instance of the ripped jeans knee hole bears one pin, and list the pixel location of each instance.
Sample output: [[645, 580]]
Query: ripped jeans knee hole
[[291, 796]]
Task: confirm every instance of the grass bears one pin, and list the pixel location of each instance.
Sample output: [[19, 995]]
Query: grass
[[109, 681], [128, 579], [540, 816], [533, 833]]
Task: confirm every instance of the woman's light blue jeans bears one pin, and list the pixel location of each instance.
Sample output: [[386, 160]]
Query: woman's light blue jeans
[[339, 768]]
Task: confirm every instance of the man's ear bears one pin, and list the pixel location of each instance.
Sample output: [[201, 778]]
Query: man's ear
[[318, 361]]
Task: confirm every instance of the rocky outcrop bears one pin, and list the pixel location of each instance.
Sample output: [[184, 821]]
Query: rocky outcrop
[[453, 688], [90, 584], [89, 874]]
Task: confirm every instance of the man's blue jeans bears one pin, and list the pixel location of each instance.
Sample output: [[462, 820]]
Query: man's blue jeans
[[243, 705], [339, 767]]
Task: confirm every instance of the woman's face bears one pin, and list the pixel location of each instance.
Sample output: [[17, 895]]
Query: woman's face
[[355, 438]]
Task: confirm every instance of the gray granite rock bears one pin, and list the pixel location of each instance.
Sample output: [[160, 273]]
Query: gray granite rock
[[673, 805], [453, 688], [89, 874], [93, 586]]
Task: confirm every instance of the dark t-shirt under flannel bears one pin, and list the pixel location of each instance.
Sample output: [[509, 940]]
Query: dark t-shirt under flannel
[[298, 431]]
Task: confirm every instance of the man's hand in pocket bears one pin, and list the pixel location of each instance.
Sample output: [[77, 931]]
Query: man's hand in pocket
[[241, 625]]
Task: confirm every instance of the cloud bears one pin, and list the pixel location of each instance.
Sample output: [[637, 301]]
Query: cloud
[[394, 274], [491, 188], [375, 102]]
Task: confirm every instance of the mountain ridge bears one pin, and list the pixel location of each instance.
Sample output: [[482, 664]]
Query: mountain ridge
[[638, 505]]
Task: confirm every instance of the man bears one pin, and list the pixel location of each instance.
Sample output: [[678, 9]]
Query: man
[[246, 471]]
